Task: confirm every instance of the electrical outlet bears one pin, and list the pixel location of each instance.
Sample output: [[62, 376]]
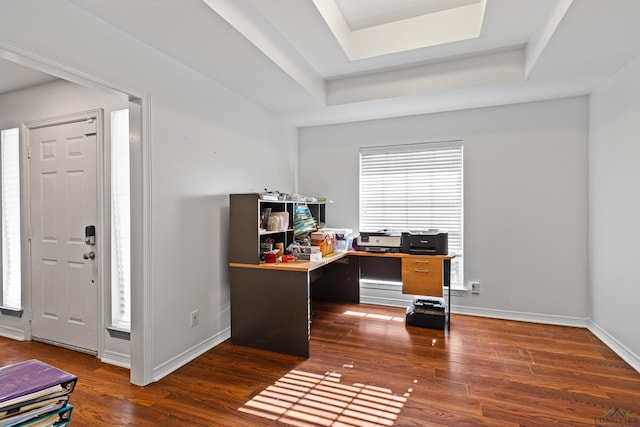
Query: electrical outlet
[[475, 287], [195, 318]]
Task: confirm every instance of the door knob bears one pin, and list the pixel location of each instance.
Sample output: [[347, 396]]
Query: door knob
[[89, 255]]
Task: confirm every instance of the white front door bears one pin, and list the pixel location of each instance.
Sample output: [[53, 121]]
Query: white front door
[[63, 201]]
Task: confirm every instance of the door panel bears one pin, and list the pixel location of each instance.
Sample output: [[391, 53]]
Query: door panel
[[63, 200]]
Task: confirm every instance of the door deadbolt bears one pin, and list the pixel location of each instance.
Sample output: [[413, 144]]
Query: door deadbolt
[[90, 235]]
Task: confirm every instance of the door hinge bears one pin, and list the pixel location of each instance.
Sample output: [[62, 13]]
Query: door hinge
[[28, 151], [29, 235]]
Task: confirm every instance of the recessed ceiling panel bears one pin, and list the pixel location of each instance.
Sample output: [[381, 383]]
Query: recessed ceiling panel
[[461, 20], [360, 14]]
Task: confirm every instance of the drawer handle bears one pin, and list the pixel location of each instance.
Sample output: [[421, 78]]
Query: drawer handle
[[424, 261], [421, 271]]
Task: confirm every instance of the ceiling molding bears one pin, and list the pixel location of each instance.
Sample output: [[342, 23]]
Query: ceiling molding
[[59, 68], [537, 46], [282, 56], [485, 70]]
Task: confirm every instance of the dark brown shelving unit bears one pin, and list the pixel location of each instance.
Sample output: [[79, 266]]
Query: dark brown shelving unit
[[246, 236]]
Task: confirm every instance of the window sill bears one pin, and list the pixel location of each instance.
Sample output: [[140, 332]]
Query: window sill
[[119, 333], [8, 311], [459, 292]]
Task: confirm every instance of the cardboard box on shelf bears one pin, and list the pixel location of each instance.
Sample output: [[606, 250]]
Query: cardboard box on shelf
[[325, 240]]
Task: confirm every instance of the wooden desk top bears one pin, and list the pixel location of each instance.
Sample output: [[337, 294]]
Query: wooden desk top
[[306, 266], [293, 265]]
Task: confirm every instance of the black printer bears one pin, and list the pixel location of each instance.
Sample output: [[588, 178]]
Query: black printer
[[428, 312], [430, 242]]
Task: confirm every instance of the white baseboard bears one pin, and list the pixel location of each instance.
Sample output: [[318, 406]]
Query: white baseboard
[[190, 354], [620, 349], [117, 359], [389, 299], [12, 333], [391, 302], [521, 316], [383, 294]]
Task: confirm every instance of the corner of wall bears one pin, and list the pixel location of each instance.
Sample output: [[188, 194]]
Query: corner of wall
[[620, 349]]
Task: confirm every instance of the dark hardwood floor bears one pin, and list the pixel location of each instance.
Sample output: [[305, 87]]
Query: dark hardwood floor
[[369, 369]]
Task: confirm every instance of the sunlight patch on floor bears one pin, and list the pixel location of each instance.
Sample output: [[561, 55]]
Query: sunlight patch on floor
[[305, 399], [374, 316]]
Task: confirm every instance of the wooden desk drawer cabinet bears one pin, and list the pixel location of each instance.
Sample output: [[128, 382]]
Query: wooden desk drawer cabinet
[[422, 276]]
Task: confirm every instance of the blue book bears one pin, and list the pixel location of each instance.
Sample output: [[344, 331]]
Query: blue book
[[32, 410], [56, 418]]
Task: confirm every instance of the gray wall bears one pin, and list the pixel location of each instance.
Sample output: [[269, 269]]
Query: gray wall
[[205, 142], [525, 186], [614, 209]]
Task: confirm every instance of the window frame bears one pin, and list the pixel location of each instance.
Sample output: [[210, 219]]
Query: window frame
[[396, 183], [120, 266], [14, 305]]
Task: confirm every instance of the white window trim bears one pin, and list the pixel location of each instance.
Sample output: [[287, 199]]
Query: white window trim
[[11, 296], [457, 280], [120, 223]]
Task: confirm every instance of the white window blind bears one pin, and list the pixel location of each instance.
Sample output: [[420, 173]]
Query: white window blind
[[120, 221], [415, 187], [11, 259]]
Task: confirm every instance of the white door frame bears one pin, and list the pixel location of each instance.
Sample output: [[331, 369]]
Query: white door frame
[[141, 301], [140, 100], [101, 244]]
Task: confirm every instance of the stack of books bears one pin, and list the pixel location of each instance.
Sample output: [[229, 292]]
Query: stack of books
[[303, 222], [35, 394]]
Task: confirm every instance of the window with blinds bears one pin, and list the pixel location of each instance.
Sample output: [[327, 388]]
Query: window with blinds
[[415, 187], [11, 259], [120, 223]]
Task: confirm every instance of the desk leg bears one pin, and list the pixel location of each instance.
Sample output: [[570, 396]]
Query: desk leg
[[446, 277], [270, 310]]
